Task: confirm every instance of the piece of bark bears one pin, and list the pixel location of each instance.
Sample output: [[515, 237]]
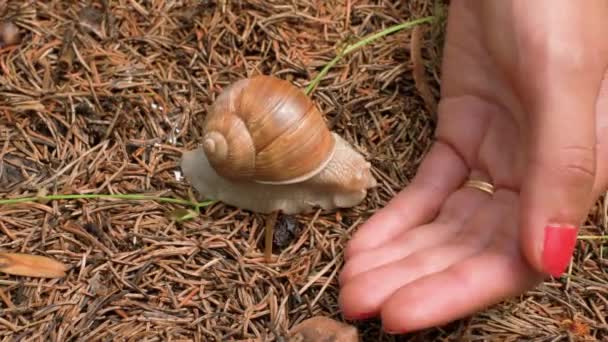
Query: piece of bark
[[31, 265], [323, 329]]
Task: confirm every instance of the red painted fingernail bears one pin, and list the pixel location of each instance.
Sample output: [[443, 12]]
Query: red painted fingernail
[[558, 247]]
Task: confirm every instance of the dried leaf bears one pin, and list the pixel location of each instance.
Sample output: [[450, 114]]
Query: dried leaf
[[320, 328], [31, 265]]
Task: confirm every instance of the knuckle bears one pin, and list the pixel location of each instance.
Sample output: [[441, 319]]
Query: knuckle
[[577, 164], [602, 163], [568, 60]]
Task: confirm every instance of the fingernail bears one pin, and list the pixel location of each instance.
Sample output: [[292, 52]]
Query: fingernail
[[393, 332], [558, 247], [360, 317]]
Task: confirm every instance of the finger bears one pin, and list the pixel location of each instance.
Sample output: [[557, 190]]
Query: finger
[[456, 210], [363, 295], [497, 272], [439, 174], [557, 191], [601, 181], [457, 292]]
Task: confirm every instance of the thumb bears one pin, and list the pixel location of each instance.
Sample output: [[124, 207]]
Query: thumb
[[557, 190], [567, 65]]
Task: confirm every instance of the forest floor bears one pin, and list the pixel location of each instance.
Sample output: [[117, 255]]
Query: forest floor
[[103, 97]]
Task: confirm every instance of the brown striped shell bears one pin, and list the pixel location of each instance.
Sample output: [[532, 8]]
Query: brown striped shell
[[266, 130]]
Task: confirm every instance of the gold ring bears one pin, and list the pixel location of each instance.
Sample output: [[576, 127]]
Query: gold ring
[[480, 185]]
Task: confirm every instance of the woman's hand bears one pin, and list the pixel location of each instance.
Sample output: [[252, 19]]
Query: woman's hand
[[524, 107]]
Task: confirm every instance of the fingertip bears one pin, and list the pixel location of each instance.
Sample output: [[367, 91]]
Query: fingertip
[[549, 250], [381, 227], [365, 261], [397, 314], [345, 273], [413, 206], [547, 245], [558, 248], [354, 304], [359, 242], [349, 251]]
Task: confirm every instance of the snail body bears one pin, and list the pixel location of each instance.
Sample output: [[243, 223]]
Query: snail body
[[266, 147]]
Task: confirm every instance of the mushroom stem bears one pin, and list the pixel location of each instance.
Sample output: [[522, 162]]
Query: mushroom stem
[[270, 223]]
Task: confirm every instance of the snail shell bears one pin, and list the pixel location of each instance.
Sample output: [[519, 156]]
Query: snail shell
[[266, 130]]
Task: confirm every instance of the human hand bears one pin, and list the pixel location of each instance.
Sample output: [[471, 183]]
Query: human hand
[[524, 107]]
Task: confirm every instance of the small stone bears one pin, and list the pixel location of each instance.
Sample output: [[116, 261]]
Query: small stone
[[286, 230], [323, 329]]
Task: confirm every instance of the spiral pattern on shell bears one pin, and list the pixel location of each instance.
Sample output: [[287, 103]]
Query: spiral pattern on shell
[[266, 130]]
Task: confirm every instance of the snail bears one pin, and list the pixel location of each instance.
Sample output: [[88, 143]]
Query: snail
[[266, 148]]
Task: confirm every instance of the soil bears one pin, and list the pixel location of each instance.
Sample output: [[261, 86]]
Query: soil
[[101, 97]]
